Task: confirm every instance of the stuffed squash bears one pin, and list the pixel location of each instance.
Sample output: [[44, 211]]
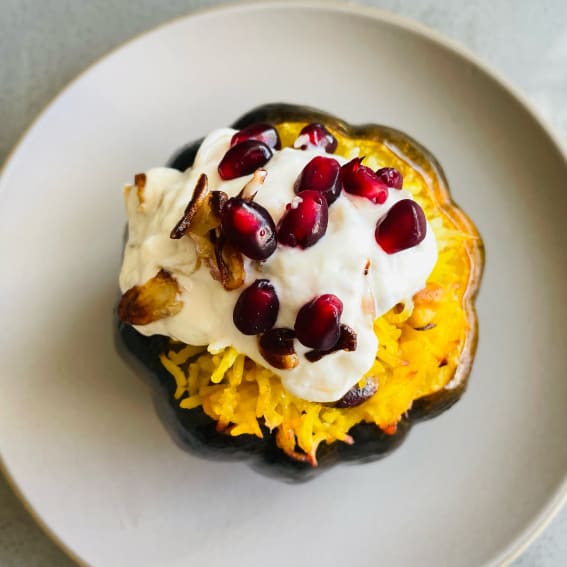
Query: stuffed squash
[[301, 288]]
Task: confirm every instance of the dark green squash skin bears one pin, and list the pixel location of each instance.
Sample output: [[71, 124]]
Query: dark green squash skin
[[196, 432]]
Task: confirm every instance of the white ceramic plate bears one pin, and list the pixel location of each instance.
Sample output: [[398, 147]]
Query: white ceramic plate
[[78, 432]]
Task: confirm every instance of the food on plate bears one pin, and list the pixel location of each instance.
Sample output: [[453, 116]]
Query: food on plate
[[303, 289]]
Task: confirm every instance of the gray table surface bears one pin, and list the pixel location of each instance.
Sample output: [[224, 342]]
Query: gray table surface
[[45, 43]]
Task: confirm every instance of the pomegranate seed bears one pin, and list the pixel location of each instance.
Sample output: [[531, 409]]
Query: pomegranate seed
[[262, 132], [404, 226], [391, 177], [256, 309], [315, 135], [321, 174], [244, 158], [249, 227], [304, 222], [317, 324], [362, 181]]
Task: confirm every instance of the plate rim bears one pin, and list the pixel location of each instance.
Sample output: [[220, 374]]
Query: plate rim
[[530, 533]]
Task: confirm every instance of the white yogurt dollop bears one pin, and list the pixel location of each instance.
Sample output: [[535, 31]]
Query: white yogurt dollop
[[335, 264]]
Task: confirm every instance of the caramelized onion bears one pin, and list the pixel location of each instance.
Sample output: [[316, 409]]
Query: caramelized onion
[[154, 300]]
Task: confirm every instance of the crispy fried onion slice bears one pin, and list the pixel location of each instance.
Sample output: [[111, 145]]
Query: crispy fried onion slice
[[155, 299], [276, 346], [347, 341], [203, 211], [140, 182], [358, 394], [229, 264], [201, 222]]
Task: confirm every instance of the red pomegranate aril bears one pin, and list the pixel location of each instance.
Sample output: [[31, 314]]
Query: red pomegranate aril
[[317, 324], [404, 226], [244, 158], [256, 309], [305, 220], [391, 177], [315, 135], [321, 174], [262, 132], [249, 227], [360, 180]]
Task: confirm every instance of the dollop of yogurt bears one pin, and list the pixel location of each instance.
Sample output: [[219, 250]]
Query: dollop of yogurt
[[346, 262]]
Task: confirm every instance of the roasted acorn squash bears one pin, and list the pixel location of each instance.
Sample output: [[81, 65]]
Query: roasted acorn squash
[[444, 312]]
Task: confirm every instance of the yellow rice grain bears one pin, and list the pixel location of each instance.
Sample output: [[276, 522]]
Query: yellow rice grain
[[178, 375]]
